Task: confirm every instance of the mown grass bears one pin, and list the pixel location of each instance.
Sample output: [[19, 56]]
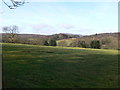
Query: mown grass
[[33, 66]]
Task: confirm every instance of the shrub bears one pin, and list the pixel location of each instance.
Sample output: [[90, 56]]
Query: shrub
[[83, 44], [52, 42], [46, 43], [95, 44]]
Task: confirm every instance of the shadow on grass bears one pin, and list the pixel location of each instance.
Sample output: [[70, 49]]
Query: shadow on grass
[[58, 68]]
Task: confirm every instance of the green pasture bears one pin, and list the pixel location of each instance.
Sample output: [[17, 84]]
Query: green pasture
[[34, 66]]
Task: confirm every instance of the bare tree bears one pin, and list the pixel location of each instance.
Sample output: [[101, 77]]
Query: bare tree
[[11, 32], [15, 3]]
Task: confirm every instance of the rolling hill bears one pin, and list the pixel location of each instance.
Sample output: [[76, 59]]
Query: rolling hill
[[107, 40]]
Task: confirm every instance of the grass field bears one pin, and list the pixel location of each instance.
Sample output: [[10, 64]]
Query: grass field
[[34, 66]]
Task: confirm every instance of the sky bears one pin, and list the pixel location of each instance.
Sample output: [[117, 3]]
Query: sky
[[48, 18]]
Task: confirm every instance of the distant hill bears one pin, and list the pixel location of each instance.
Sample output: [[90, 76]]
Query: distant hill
[[55, 36], [36, 38], [61, 36], [107, 40], [73, 34]]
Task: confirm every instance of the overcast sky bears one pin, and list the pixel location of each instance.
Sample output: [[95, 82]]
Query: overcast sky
[[62, 17]]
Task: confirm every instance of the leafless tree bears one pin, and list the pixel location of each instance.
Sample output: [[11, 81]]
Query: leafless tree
[[11, 32], [14, 3]]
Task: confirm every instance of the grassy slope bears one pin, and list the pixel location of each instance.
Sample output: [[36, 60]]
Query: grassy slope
[[107, 40], [33, 66]]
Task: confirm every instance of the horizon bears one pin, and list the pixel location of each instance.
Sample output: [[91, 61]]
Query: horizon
[[65, 33], [47, 18]]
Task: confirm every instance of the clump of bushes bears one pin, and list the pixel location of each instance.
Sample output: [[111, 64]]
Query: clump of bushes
[[95, 44], [52, 42]]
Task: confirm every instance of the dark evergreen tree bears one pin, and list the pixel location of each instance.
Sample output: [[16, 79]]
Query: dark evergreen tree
[[95, 44], [52, 42]]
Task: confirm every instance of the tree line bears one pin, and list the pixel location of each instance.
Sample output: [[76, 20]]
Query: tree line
[[80, 43], [11, 36]]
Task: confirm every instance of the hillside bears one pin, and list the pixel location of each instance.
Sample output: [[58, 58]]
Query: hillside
[[107, 40], [23, 38]]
